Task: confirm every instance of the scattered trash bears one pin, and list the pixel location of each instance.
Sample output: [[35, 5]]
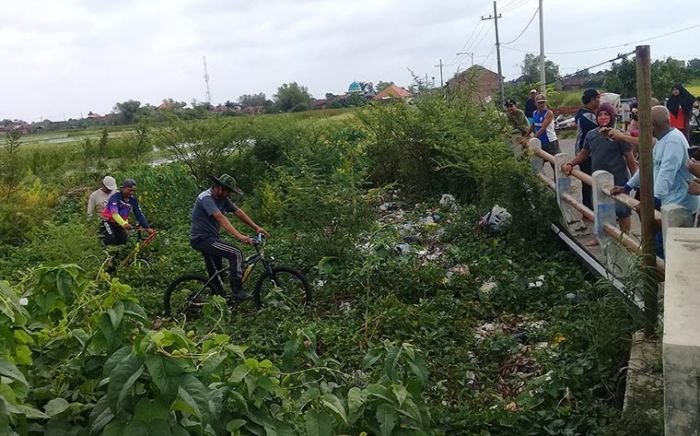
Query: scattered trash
[[437, 217], [537, 283], [427, 220], [487, 287], [521, 337], [403, 249], [388, 206], [448, 202], [461, 270], [345, 307], [496, 220], [319, 283], [412, 239]]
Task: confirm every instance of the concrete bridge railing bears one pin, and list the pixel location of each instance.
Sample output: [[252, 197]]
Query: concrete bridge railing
[[681, 272]]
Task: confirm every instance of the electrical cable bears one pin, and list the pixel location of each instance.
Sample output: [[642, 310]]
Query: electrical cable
[[523, 31]]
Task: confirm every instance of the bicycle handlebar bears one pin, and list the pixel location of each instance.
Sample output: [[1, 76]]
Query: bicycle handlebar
[[258, 239]]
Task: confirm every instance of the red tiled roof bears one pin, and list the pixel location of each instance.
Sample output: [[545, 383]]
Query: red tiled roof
[[392, 91]]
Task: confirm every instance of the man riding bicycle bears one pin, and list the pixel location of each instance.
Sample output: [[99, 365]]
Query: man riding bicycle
[[116, 214], [207, 219]]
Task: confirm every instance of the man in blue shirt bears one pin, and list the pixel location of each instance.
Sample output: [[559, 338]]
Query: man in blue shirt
[[115, 215], [671, 175], [207, 219]]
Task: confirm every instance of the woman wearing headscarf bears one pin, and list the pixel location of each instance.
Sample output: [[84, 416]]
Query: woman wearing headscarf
[[607, 154], [680, 104]]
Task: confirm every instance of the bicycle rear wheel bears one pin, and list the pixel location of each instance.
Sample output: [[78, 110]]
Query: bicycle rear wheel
[[186, 296], [285, 287]]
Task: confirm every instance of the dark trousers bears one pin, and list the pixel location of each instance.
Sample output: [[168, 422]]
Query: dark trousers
[[214, 251], [587, 190], [113, 233]]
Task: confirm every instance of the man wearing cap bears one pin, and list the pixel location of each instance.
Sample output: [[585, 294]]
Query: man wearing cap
[[543, 126], [530, 106], [116, 214], [207, 219], [517, 118], [98, 199], [585, 122]]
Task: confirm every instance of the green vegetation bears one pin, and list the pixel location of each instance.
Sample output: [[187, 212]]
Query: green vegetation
[[458, 332]]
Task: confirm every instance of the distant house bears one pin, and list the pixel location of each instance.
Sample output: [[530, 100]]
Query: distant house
[[484, 82], [573, 82], [392, 91]]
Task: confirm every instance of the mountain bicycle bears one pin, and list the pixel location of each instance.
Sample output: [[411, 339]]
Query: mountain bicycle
[[133, 258], [276, 286]]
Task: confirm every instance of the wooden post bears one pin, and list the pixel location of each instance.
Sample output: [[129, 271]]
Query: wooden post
[[650, 284]]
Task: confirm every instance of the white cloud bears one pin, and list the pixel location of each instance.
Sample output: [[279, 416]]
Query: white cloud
[[61, 59]]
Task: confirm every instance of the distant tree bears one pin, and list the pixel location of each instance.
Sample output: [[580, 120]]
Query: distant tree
[[10, 160], [170, 104], [356, 99], [381, 85], [291, 95], [254, 100], [622, 77], [102, 148], [531, 69], [127, 111], [694, 67]]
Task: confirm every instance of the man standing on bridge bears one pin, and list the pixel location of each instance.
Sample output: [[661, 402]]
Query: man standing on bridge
[[671, 174], [585, 122]]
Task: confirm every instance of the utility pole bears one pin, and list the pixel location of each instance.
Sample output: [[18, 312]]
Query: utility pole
[[440, 66], [495, 18], [646, 197], [206, 80], [543, 78], [470, 53]]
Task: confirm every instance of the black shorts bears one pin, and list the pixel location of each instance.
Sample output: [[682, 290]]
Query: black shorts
[[113, 233]]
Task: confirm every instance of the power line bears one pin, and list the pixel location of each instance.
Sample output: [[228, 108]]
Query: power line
[[514, 7], [523, 31], [628, 43]]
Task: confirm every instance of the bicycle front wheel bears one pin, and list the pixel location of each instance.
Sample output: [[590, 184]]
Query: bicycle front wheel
[[186, 296], [285, 287]]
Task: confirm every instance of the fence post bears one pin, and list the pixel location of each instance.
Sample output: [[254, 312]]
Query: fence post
[[674, 215], [603, 205], [563, 186], [536, 162]]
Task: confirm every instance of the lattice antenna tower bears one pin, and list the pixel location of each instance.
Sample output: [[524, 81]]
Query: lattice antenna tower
[[206, 80]]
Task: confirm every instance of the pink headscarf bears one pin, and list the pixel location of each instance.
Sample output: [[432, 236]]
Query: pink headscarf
[[610, 110]]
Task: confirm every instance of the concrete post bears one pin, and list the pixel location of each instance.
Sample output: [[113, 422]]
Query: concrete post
[[674, 215], [681, 341], [563, 185], [603, 205], [536, 162]]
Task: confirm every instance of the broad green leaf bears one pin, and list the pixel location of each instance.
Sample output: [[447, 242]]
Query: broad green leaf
[[386, 417], [4, 416], [400, 392], [10, 371], [115, 358], [56, 406], [420, 371], [23, 355], [239, 373], [116, 314], [122, 378], [318, 424], [135, 311], [155, 363], [235, 424], [192, 396], [333, 403], [356, 401], [22, 336], [211, 364], [379, 391], [371, 357], [307, 396], [148, 410], [100, 415], [30, 412], [391, 362]]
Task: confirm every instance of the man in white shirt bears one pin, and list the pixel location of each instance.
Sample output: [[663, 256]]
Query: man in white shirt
[[98, 199]]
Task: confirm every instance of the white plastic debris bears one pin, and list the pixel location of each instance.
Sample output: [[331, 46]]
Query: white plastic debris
[[488, 286], [448, 202], [496, 220], [23, 301]]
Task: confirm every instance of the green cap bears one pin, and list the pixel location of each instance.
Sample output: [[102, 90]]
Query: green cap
[[227, 182]]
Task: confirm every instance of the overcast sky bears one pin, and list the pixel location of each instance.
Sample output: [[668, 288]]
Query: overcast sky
[[61, 59]]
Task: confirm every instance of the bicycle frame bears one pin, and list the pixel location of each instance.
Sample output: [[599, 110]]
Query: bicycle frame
[[141, 243], [249, 264]]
